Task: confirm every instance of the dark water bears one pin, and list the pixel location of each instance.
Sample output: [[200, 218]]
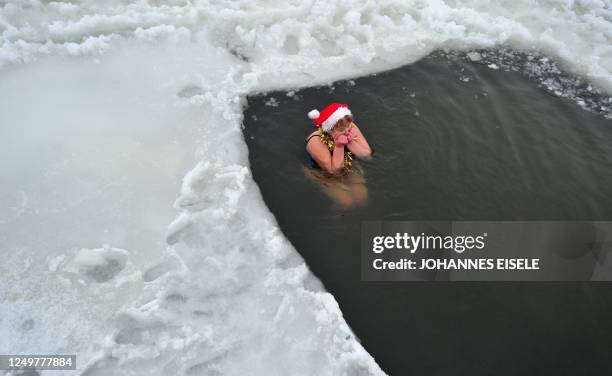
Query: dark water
[[453, 140]]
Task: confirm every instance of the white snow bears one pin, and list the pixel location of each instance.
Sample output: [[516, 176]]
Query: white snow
[[106, 106]]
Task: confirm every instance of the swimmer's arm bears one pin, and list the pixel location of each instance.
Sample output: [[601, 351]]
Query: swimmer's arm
[[360, 146], [337, 159], [330, 162]]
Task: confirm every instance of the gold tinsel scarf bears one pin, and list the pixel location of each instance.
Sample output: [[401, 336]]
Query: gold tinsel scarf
[[328, 140]]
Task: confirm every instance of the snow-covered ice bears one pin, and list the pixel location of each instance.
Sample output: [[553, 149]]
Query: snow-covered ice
[[118, 249]]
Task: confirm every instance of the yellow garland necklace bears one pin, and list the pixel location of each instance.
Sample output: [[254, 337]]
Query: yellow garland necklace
[[328, 140]]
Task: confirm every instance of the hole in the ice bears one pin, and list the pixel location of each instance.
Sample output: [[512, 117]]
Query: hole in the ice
[[516, 153]]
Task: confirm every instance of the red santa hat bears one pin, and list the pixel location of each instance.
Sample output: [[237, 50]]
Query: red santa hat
[[329, 116]]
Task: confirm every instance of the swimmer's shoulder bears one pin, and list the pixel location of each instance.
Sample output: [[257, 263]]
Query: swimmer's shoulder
[[313, 134]]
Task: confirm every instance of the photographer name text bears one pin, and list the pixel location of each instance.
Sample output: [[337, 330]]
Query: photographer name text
[[457, 244]]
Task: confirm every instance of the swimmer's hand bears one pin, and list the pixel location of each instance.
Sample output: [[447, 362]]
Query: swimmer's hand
[[351, 134], [341, 139]]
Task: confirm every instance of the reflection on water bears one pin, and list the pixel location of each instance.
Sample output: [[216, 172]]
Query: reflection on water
[[346, 191]]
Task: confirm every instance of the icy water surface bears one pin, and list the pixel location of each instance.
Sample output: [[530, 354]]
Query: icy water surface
[[452, 139]]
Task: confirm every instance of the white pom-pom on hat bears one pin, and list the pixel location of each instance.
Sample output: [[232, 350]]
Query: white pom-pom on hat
[[313, 114]]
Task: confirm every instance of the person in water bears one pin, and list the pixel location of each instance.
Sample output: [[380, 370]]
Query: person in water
[[332, 147], [336, 140]]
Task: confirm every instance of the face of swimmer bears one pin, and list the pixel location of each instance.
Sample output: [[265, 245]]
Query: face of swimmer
[[342, 125]]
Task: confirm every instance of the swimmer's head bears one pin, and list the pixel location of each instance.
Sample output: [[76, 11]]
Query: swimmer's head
[[332, 116], [342, 124]]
